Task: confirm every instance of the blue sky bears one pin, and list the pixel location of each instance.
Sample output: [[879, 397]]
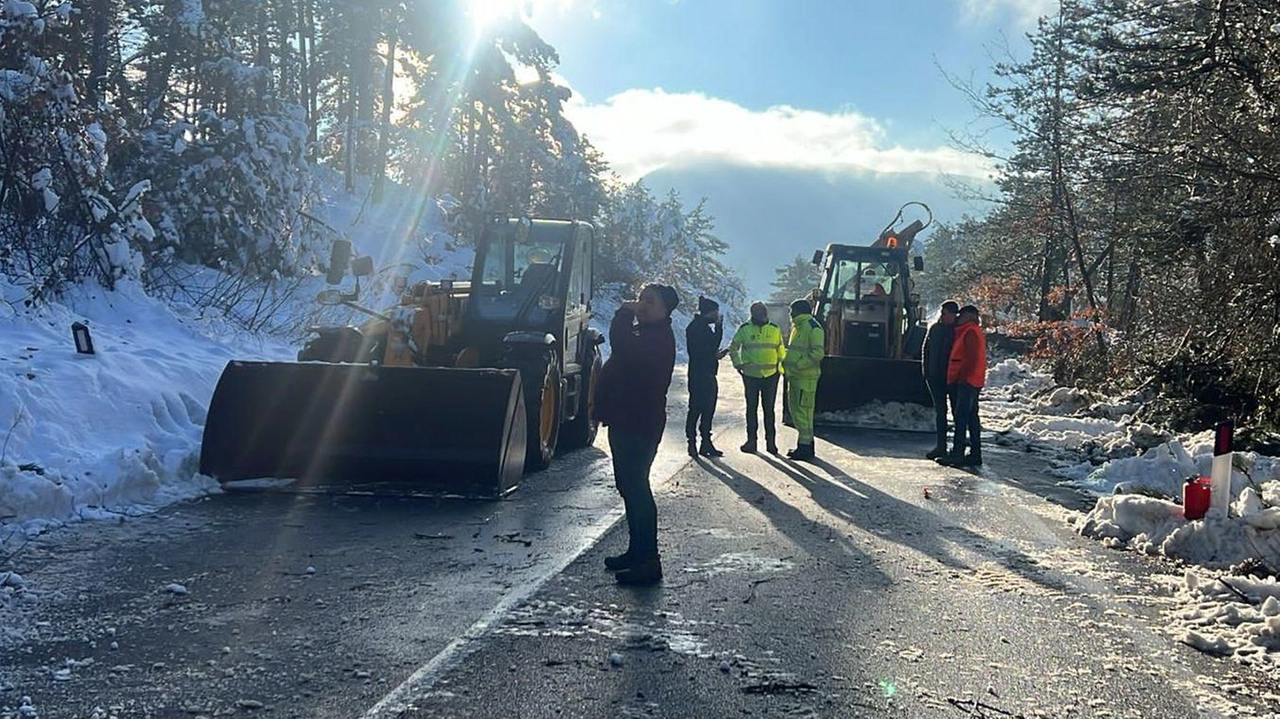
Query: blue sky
[[872, 60], [845, 91]]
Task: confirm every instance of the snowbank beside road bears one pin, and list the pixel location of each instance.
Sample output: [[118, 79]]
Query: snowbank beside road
[[115, 432], [118, 432], [1138, 473]]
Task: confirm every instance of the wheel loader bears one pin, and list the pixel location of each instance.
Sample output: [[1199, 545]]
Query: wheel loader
[[460, 387], [873, 321]]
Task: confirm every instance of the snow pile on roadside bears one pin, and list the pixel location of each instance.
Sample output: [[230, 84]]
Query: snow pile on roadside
[[1026, 410], [118, 432], [115, 432], [1012, 378], [882, 415], [1157, 526], [1165, 468], [1138, 472], [1230, 616]]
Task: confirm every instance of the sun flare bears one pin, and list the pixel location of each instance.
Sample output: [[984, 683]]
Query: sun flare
[[486, 14]]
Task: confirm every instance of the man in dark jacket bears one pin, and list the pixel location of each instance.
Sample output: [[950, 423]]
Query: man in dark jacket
[[937, 356], [631, 400], [703, 337]]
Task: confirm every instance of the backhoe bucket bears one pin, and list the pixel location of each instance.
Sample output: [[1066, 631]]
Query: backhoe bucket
[[850, 382], [458, 431]]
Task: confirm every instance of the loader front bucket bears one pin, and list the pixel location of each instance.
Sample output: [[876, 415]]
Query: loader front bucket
[[458, 431], [850, 382]]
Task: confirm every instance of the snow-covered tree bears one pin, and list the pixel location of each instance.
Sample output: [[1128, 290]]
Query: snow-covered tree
[[794, 280], [61, 219]]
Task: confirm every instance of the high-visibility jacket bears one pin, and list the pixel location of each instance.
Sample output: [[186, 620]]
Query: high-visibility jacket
[[968, 356], [756, 350], [805, 350]]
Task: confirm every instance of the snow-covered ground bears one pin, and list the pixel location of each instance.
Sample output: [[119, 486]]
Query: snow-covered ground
[[117, 432], [1138, 474]]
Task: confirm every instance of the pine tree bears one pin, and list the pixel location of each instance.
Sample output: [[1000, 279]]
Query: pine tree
[[794, 280]]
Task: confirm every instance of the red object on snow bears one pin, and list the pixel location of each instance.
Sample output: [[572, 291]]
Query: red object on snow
[[1195, 497]]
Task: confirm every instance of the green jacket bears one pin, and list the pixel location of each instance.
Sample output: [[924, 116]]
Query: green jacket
[[806, 348], [756, 350]]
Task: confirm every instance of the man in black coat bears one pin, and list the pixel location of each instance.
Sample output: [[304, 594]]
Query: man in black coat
[[935, 355], [702, 338]]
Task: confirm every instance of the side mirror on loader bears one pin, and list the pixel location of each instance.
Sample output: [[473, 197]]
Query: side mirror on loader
[[817, 257], [362, 266], [917, 263], [339, 261]]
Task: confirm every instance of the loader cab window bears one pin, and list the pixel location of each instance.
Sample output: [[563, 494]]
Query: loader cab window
[[519, 273], [854, 280], [580, 278]]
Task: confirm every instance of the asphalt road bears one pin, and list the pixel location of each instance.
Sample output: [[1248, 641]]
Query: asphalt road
[[841, 588]]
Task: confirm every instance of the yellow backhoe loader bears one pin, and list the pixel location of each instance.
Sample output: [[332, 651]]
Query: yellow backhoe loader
[[460, 387], [874, 324]]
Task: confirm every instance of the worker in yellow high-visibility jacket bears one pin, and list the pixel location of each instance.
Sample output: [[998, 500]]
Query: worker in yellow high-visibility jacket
[[757, 351], [803, 366]]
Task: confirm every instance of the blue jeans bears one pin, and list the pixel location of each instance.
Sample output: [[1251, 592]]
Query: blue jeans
[[939, 392], [633, 455], [964, 407]]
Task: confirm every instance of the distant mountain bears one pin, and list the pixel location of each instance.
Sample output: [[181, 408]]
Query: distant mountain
[[768, 215]]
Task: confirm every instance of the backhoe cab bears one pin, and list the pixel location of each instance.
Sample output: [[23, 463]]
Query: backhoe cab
[[873, 321]]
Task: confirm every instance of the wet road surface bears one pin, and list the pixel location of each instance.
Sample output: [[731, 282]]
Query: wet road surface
[[832, 589]]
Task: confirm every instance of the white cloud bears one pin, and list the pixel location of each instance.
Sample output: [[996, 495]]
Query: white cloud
[[1023, 12], [640, 131]]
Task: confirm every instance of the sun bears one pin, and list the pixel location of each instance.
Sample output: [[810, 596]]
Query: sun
[[487, 14]]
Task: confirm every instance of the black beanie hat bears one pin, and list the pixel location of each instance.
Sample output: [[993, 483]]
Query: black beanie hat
[[801, 307], [706, 305]]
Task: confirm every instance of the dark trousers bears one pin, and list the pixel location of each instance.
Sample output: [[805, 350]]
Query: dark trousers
[[632, 457], [939, 392], [703, 392], [964, 407], [761, 391]]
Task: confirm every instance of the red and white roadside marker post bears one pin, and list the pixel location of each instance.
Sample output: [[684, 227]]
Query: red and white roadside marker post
[[1220, 471]]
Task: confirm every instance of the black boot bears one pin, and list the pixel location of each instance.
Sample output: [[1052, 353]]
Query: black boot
[[643, 573], [749, 446], [802, 453], [936, 452], [708, 449], [619, 562], [693, 448], [950, 459]]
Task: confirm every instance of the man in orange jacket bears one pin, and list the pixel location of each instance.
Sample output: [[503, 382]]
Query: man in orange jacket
[[966, 373]]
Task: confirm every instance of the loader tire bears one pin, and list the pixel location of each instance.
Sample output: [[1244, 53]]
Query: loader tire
[[581, 430], [540, 375]]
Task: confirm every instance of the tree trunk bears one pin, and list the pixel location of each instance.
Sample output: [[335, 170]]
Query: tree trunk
[[388, 102]]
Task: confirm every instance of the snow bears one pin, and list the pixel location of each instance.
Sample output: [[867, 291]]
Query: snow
[[117, 433], [1098, 445], [19, 8], [882, 415]]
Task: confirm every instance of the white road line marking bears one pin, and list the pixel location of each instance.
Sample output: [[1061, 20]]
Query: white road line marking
[[400, 699]]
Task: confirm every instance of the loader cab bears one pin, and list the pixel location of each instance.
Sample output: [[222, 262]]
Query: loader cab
[[530, 309], [867, 302], [531, 276]]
